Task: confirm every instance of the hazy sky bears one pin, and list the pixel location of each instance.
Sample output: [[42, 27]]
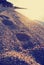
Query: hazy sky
[[35, 8]]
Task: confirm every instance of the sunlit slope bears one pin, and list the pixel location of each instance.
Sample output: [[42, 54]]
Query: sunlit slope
[[20, 38], [35, 28]]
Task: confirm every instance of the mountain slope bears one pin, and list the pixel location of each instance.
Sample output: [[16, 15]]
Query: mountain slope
[[20, 38]]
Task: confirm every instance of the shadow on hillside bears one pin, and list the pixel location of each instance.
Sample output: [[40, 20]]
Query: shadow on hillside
[[12, 61], [10, 24], [27, 43], [38, 55], [4, 17]]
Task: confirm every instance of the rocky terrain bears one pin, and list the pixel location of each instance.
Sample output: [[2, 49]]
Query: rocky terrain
[[21, 40]]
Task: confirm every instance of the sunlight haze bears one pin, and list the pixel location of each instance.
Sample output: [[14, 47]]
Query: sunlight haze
[[35, 8]]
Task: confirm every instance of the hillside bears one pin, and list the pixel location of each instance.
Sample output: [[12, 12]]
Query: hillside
[[21, 40]]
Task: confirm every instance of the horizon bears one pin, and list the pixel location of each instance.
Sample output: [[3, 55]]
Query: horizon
[[34, 11]]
